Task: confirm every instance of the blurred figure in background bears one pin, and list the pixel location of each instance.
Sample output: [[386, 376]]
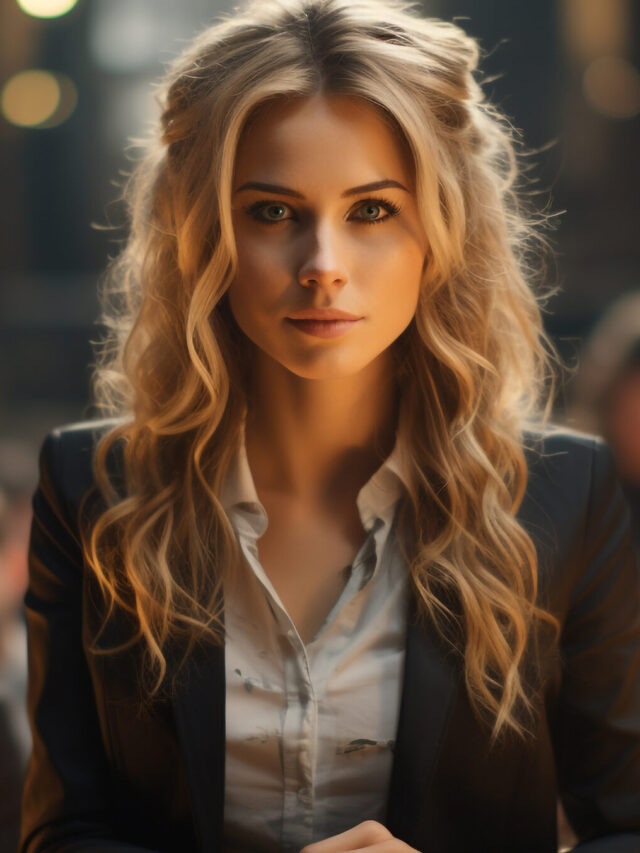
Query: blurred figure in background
[[606, 393], [17, 472]]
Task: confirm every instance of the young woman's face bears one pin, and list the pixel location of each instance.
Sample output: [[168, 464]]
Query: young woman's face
[[316, 239]]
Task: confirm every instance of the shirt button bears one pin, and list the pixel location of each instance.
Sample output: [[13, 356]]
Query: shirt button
[[305, 795]]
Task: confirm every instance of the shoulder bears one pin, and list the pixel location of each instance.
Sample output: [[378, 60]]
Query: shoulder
[[66, 458], [574, 506], [79, 439], [558, 440], [564, 461], [566, 467]]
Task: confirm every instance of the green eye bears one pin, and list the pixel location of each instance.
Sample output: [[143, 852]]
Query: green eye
[[259, 208], [277, 207], [378, 204], [256, 209], [369, 207]]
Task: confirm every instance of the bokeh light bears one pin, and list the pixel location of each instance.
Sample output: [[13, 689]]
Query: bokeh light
[[611, 85], [46, 8], [37, 98], [125, 37]]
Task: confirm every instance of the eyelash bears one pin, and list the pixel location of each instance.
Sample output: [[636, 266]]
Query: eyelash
[[391, 208]]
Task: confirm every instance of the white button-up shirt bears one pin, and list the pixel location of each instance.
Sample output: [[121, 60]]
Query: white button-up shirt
[[310, 730]]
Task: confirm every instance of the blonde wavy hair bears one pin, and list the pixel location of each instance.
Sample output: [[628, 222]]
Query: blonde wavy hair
[[474, 366]]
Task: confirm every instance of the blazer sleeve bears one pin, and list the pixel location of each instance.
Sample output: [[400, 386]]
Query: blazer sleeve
[[66, 796], [598, 756]]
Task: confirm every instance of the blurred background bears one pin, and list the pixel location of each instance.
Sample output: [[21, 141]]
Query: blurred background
[[76, 85]]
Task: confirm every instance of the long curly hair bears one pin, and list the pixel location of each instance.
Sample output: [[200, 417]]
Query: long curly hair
[[475, 367]]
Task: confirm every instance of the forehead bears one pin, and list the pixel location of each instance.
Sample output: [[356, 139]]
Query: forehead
[[324, 133]]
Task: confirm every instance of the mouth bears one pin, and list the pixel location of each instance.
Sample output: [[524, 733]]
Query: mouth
[[329, 313], [324, 328]]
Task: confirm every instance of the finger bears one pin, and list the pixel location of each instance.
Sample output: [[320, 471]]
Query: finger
[[364, 835], [391, 845]]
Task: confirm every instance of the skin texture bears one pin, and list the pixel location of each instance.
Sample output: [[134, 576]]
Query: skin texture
[[318, 406]]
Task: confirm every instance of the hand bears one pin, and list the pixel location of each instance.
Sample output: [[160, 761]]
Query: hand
[[369, 835]]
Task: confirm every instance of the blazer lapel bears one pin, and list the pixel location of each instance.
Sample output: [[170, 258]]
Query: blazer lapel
[[429, 687], [199, 710]]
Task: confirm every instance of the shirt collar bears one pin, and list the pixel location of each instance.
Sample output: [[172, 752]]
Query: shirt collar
[[376, 499]]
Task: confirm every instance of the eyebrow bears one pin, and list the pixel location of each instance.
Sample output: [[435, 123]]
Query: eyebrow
[[280, 190]]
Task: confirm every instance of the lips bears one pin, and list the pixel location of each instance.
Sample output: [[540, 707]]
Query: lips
[[323, 315], [324, 328]]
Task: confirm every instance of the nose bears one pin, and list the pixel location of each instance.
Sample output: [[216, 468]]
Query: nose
[[322, 267]]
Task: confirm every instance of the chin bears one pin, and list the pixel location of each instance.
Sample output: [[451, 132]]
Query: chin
[[323, 368]]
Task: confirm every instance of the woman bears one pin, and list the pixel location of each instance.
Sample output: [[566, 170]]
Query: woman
[[324, 581]]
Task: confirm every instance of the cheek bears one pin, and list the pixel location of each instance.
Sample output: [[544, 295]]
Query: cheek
[[257, 282], [398, 274], [261, 258], [400, 246]]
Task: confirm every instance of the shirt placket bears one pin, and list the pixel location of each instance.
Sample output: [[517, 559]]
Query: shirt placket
[[299, 716], [303, 692], [299, 742]]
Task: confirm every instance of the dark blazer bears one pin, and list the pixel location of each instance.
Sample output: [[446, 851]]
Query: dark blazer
[[104, 777]]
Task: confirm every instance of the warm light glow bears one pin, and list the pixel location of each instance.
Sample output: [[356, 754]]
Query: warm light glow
[[611, 85], [593, 28], [38, 98], [30, 97], [46, 8]]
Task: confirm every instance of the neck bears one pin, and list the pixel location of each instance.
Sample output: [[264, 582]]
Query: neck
[[319, 440]]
